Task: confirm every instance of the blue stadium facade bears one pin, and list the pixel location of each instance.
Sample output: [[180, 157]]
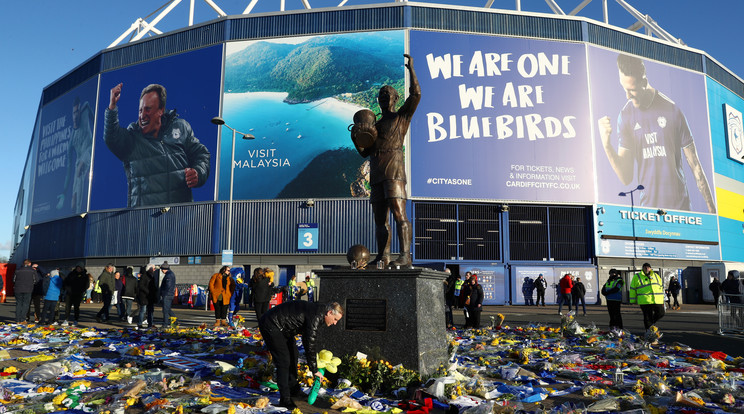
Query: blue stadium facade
[[506, 177]]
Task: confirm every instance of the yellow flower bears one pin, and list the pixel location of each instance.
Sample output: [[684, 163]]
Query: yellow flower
[[57, 400], [84, 383], [328, 361]]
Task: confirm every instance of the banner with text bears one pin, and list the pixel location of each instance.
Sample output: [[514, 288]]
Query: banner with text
[[64, 154], [500, 118]]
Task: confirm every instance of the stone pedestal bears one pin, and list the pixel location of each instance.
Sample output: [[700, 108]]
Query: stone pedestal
[[397, 315]]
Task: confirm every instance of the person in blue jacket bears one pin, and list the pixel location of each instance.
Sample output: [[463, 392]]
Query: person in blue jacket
[[238, 275], [53, 289], [613, 292]]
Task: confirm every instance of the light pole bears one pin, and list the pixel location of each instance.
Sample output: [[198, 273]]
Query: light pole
[[219, 121], [632, 216]]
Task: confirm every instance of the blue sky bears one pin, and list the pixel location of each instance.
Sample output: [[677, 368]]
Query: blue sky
[[42, 40]]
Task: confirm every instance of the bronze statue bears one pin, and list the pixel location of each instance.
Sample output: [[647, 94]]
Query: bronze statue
[[387, 168]]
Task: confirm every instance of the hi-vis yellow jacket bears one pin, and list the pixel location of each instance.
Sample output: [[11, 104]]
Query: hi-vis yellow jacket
[[646, 290]]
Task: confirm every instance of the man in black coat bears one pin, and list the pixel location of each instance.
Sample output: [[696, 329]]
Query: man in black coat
[[280, 325], [730, 287], [449, 296], [261, 289], [578, 291], [75, 285], [715, 289], [147, 295], [473, 302], [24, 281]]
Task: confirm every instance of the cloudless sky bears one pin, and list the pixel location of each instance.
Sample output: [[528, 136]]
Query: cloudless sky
[[42, 40]]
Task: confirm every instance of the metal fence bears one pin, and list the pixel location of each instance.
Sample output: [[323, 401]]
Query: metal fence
[[731, 314]]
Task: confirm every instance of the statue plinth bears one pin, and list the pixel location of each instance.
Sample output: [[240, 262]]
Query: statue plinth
[[397, 315]]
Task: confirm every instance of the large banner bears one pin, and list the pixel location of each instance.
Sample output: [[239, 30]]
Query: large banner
[[156, 153], [651, 129], [64, 153], [297, 97], [501, 118], [725, 109], [727, 130]]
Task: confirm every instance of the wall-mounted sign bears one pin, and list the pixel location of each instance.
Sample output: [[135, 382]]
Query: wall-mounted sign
[[227, 258], [734, 132], [307, 237]]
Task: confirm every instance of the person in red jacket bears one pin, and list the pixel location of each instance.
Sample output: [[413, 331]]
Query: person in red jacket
[[565, 286]]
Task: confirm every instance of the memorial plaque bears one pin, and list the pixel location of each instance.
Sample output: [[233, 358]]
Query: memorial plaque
[[366, 314]]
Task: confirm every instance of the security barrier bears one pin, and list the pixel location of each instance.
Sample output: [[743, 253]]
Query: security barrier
[[731, 314]]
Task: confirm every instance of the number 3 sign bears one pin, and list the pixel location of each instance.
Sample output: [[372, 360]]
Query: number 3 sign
[[307, 237]]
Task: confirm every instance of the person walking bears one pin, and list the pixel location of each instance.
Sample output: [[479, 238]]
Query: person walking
[[24, 280], [674, 288], [647, 290], [107, 283], [473, 302], [577, 295], [528, 287], [540, 286], [221, 288], [128, 293], [74, 286], [715, 289], [53, 290], [167, 292], [261, 288], [565, 285], [613, 292]]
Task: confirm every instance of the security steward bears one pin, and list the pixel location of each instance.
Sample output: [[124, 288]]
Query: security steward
[[647, 290], [613, 292], [280, 325]]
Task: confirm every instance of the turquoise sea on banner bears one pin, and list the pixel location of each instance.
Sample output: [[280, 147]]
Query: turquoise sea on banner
[[288, 138]]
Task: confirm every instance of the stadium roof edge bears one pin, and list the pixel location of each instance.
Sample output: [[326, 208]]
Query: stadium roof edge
[[104, 60]]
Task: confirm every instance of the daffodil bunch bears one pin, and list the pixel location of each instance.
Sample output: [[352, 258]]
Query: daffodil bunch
[[376, 375]]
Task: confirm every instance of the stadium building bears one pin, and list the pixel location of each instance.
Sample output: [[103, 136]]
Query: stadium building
[[530, 152]]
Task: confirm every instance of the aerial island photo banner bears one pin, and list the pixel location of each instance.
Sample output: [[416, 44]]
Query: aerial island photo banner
[[296, 97]]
